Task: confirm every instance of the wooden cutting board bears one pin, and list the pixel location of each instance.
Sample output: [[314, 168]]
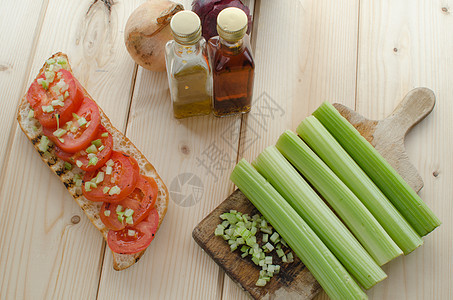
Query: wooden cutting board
[[294, 280]]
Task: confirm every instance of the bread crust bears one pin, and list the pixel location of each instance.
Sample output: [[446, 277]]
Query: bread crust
[[33, 131]]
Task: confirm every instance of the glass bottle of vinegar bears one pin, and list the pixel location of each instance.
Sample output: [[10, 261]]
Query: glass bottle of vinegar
[[232, 64], [188, 70]]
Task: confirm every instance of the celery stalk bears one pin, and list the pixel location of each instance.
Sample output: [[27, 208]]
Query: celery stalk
[[324, 266], [349, 208], [285, 179], [403, 197], [331, 152]]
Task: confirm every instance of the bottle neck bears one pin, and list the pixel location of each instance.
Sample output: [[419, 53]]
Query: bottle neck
[[187, 50], [231, 47]]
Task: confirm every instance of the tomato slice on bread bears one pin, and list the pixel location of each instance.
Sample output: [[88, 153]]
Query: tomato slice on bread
[[116, 183], [134, 239], [134, 208], [77, 133], [54, 102], [94, 156]]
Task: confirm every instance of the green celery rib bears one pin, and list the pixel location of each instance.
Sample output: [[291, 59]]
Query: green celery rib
[[285, 179], [331, 152], [324, 266], [402, 196], [349, 208]]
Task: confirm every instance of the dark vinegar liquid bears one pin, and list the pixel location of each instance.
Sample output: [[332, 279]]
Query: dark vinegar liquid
[[232, 74]]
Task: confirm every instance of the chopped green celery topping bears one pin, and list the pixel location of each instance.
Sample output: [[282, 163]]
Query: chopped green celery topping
[[97, 143], [93, 161], [239, 230], [67, 166], [43, 143], [115, 190], [332, 153], [59, 132], [273, 166], [81, 121], [324, 266], [398, 191], [48, 108], [344, 202], [91, 149]]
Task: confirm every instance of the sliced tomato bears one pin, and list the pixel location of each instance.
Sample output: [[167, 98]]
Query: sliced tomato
[[134, 239], [38, 97], [81, 158], [124, 175], [141, 201], [78, 137]]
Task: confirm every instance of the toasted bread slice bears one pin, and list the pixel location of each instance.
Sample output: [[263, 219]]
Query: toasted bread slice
[[33, 130]]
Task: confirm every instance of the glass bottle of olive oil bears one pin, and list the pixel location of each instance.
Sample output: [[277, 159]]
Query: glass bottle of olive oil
[[188, 71]]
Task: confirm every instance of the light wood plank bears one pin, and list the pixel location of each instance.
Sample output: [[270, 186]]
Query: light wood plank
[[19, 23], [402, 45], [43, 254], [305, 54], [174, 266]]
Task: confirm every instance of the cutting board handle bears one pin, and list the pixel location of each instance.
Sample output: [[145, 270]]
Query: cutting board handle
[[414, 107]]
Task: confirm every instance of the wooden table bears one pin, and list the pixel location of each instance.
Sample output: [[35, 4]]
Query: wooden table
[[365, 54]]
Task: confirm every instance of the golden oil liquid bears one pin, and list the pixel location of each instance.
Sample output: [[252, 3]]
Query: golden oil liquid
[[192, 95]]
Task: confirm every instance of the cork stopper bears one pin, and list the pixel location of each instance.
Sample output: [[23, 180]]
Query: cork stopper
[[232, 24], [186, 27]]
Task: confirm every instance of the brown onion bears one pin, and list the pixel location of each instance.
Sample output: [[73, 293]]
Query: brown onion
[[147, 31]]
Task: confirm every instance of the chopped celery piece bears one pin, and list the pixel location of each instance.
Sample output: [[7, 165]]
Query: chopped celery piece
[[44, 143], [91, 149], [82, 121], [290, 257], [348, 207], [324, 266], [97, 143], [306, 202], [331, 152], [99, 178], [59, 132], [274, 237], [48, 108], [260, 282], [219, 231], [93, 161], [114, 190], [269, 246], [403, 197]]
